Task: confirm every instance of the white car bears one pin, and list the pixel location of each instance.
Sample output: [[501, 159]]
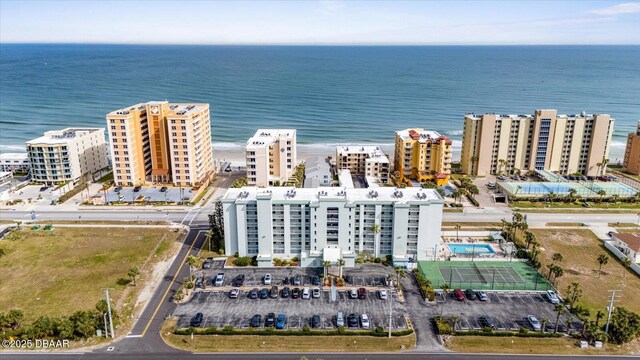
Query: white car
[[553, 297], [233, 294], [533, 322], [382, 293], [316, 293], [364, 320], [267, 279], [353, 294], [306, 293], [219, 279], [340, 319]]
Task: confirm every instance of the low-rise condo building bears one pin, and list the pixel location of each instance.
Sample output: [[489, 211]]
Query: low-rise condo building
[[330, 223], [271, 157], [317, 172], [632, 152], [566, 144], [15, 162], [368, 161], [161, 142], [71, 154], [422, 155]]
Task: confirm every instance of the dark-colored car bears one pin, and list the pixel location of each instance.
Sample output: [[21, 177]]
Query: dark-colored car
[[274, 292], [117, 188], [487, 321], [281, 321], [206, 264], [352, 320], [315, 321], [316, 280], [44, 188], [238, 280], [264, 293], [285, 281], [295, 293], [253, 294], [362, 293], [348, 279], [256, 320], [459, 295], [270, 320], [196, 321], [471, 295], [285, 292], [199, 282], [137, 188], [297, 280], [163, 189]]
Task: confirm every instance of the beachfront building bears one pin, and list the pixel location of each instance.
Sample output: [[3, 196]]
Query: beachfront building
[[566, 144], [161, 142], [15, 163], [6, 177], [317, 172], [368, 161], [422, 155], [330, 223], [632, 152], [71, 154], [271, 157]]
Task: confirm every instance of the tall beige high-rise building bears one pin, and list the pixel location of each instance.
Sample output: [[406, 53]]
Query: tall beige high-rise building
[[566, 144], [632, 152], [67, 155], [271, 157], [422, 155], [161, 142]]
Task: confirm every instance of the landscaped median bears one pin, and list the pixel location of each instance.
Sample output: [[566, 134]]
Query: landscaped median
[[306, 340]]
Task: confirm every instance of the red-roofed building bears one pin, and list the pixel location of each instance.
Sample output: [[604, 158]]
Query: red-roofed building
[[628, 244], [422, 155]]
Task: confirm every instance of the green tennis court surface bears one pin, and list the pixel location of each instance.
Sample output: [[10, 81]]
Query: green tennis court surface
[[487, 275]]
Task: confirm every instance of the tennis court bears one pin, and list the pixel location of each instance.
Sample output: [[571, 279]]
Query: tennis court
[[490, 275]]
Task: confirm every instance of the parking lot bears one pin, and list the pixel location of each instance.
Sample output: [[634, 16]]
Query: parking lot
[[219, 310], [151, 193], [508, 310]]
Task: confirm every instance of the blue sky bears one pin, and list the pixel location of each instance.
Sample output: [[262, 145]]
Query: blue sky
[[320, 22]]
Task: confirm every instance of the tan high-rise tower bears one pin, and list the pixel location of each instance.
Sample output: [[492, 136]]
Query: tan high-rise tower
[[632, 152], [422, 155]]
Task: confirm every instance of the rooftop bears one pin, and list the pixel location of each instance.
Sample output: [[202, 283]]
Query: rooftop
[[373, 151], [63, 136], [315, 171], [14, 156], [383, 194], [632, 240], [266, 137], [582, 115], [174, 108], [422, 135]]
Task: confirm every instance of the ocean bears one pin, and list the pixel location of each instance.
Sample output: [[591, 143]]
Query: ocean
[[331, 94]]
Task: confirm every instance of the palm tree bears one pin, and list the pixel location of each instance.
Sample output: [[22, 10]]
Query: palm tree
[[559, 308], [602, 193], [602, 259], [133, 272], [457, 229], [502, 163], [572, 194], [2, 253], [551, 268], [341, 263], [529, 237], [615, 197], [557, 272], [19, 225], [375, 228], [575, 292], [325, 265], [557, 257], [599, 315], [626, 262], [399, 274]]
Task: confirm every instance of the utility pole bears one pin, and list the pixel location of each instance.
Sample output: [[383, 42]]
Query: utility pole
[[106, 291], [610, 309], [391, 307], [106, 332]]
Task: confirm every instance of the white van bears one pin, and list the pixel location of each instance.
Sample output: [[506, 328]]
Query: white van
[[306, 293], [340, 319]]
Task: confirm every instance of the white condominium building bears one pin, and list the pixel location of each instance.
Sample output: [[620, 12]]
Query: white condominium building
[[271, 157], [566, 144], [15, 162], [364, 160], [330, 223], [67, 155]]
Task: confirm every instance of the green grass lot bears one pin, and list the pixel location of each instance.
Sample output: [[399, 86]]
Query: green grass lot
[[533, 281], [580, 248], [595, 206], [517, 345], [57, 272]]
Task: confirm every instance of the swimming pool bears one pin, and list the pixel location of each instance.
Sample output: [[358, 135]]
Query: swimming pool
[[471, 249]]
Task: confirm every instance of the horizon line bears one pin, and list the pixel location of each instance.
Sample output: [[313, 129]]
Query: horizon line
[[314, 44]]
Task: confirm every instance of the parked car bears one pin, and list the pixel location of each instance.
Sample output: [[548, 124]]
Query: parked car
[[306, 293], [364, 320], [316, 293], [551, 326], [362, 293], [297, 280], [233, 294], [586, 204], [482, 296], [533, 322], [199, 282], [163, 189], [491, 184], [316, 280], [219, 279], [264, 293], [137, 188], [459, 295], [471, 295], [253, 294], [502, 177], [256, 320], [285, 292], [285, 281], [117, 188], [206, 264], [196, 321], [352, 320], [274, 292], [270, 320], [267, 279], [348, 279], [295, 293], [552, 296], [382, 294], [315, 321], [487, 321], [238, 280], [44, 188], [339, 319], [281, 321], [353, 294]]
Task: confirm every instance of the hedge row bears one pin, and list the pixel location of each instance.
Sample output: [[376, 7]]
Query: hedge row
[[507, 334], [269, 332], [473, 200]]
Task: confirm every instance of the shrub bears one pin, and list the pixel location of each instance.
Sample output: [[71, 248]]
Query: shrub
[[443, 327], [242, 261], [306, 329], [228, 328], [378, 260], [295, 259]]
